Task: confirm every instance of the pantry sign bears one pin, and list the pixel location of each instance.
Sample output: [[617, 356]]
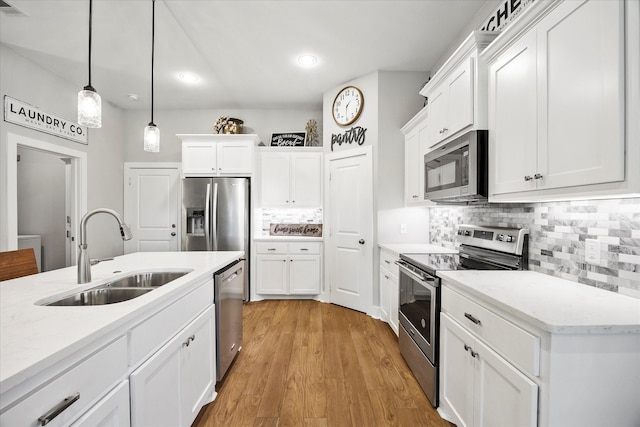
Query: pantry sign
[[23, 114]]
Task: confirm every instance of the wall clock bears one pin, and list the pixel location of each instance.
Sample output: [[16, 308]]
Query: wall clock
[[347, 106]]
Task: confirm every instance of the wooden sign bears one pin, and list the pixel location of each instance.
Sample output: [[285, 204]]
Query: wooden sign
[[23, 114], [306, 230], [288, 139]]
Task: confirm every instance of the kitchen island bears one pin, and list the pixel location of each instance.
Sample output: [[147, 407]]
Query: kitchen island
[[524, 348], [47, 353]]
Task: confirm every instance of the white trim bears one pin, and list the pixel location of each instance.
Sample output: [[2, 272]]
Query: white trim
[[9, 241]]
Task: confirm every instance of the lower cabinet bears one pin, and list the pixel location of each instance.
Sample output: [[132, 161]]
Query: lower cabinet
[[171, 386], [111, 411], [389, 289], [288, 268], [479, 387]]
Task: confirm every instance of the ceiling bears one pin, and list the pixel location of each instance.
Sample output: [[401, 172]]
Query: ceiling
[[243, 51]]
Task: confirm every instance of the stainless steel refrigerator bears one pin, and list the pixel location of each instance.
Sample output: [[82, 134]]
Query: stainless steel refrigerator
[[215, 217]]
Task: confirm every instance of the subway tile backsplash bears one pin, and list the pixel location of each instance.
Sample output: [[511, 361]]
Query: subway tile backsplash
[[558, 231]]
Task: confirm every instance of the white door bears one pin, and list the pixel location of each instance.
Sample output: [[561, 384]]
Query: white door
[[152, 208], [349, 268]]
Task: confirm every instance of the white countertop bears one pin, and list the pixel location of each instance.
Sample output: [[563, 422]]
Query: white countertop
[[287, 239], [34, 337], [550, 303], [416, 248]]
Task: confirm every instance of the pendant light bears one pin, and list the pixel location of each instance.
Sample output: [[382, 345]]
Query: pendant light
[[151, 132], [89, 102]]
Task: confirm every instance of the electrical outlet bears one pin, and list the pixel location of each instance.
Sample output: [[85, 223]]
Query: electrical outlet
[[592, 251], [403, 228]]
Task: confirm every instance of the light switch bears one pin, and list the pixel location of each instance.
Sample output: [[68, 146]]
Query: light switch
[[403, 228]]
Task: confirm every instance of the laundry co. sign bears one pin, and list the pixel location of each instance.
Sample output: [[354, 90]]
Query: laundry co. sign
[[23, 114]]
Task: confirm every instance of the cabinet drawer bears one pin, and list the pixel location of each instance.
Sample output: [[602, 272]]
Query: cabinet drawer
[[271, 248], [90, 379], [512, 342], [388, 261], [304, 248], [158, 329]]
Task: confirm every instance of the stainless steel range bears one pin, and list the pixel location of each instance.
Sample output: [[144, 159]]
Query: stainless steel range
[[481, 248]]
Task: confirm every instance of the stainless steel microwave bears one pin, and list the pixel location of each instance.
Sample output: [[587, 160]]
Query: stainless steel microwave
[[458, 170]]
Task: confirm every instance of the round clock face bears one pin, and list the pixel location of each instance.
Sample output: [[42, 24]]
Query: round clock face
[[347, 106]]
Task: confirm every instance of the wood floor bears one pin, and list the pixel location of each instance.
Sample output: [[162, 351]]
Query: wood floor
[[306, 363]]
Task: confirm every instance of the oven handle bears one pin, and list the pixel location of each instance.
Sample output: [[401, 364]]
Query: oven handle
[[422, 279]]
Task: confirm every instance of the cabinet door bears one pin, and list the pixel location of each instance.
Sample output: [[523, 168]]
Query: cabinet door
[[457, 370], [512, 118], [394, 302], [199, 158], [197, 366], [111, 411], [304, 274], [438, 111], [460, 91], [155, 388], [413, 177], [503, 395], [581, 94], [235, 158], [306, 180], [271, 274], [274, 179], [385, 303]]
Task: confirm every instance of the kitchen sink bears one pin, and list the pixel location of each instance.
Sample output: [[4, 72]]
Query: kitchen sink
[[101, 296], [119, 290]]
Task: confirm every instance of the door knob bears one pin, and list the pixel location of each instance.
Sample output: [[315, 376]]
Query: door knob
[[173, 233], [361, 241], [173, 226]]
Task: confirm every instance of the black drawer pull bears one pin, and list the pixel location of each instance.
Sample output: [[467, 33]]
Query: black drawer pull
[[473, 319], [58, 409]]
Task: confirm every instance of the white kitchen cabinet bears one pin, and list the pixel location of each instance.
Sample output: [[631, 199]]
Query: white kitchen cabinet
[[171, 386], [291, 179], [558, 97], [288, 268], [110, 411], [415, 147], [479, 387], [389, 289], [457, 92], [218, 155]]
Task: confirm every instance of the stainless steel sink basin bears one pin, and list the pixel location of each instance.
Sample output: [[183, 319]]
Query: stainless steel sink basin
[[145, 280], [101, 296], [119, 290]]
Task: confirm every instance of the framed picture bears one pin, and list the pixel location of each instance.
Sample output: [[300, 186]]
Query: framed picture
[[288, 139]]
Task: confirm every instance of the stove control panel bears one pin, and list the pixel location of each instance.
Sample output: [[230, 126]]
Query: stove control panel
[[503, 239]]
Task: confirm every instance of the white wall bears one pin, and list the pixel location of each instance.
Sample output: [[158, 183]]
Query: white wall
[[24, 80], [261, 122]]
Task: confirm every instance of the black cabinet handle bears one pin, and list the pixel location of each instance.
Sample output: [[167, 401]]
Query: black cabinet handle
[[58, 409], [473, 319]]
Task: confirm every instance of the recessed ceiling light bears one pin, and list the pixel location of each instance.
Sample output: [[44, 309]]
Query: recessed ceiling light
[[307, 60], [189, 78]]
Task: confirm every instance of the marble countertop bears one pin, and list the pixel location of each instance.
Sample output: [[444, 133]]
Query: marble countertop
[[34, 337], [416, 248], [550, 303]]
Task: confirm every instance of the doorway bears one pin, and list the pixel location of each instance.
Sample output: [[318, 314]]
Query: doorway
[[73, 164]]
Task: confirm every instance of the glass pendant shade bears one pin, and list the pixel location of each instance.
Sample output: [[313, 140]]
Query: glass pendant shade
[[152, 138], [89, 108]]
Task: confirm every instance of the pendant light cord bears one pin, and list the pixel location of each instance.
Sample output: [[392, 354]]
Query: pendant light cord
[[90, 32], [153, 36]]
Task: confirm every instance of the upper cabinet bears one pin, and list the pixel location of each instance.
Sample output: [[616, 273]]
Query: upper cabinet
[[563, 102], [416, 138], [291, 179], [457, 92], [218, 154]]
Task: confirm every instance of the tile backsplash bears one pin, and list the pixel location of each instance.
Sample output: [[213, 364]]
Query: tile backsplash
[[558, 231]]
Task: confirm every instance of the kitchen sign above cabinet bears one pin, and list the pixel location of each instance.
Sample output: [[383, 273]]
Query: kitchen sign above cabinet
[[564, 102], [457, 92]]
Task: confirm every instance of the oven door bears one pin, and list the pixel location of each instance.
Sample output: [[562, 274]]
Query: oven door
[[419, 307]]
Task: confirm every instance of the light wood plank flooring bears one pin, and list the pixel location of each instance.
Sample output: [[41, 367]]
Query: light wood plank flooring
[[306, 363]]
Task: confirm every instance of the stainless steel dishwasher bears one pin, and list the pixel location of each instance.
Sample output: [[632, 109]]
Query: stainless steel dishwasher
[[229, 284]]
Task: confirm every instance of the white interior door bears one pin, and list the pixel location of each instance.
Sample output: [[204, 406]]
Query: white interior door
[[350, 215], [152, 207]]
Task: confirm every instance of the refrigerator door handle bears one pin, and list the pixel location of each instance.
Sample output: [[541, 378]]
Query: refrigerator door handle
[[214, 217], [207, 217]]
